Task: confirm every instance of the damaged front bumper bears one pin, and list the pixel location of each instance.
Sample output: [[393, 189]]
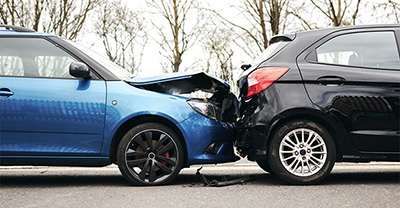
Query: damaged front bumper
[[211, 141], [212, 133]]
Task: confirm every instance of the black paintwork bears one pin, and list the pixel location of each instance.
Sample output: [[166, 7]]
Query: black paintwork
[[358, 105]]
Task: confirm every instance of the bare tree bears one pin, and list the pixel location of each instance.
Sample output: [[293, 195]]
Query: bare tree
[[67, 17], [62, 17], [10, 11], [392, 9], [337, 12], [263, 19], [122, 33], [298, 11], [217, 45], [24, 13], [3, 12], [178, 37], [39, 5], [275, 11]]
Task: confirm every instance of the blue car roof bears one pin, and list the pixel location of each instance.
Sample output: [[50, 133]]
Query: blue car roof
[[12, 32]]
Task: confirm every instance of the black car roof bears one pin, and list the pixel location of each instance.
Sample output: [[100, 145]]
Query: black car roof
[[324, 31], [336, 29]]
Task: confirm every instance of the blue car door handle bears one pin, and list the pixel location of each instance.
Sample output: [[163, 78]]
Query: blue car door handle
[[5, 92]]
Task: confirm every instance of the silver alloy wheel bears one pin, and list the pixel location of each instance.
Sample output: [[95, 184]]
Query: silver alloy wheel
[[302, 152]]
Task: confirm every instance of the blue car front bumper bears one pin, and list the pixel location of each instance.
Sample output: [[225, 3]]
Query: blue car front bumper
[[208, 141]]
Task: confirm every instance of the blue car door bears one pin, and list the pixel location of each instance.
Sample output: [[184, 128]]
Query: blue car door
[[43, 109]]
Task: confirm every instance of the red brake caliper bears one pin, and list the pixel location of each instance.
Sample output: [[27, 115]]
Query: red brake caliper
[[167, 156]]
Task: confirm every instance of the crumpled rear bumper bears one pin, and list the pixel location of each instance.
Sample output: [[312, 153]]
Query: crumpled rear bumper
[[255, 119]]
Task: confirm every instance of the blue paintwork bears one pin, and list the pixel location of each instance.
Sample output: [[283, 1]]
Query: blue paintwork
[[58, 121], [52, 116], [201, 132], [62, 122], [197, 130]]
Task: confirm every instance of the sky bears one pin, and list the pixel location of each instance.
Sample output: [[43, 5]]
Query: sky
[[151, 62]]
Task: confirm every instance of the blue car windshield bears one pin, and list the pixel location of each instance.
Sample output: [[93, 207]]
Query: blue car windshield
[[118, 71]]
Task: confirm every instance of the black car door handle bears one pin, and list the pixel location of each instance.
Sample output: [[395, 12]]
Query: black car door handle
[[6, 92], [331, 80]]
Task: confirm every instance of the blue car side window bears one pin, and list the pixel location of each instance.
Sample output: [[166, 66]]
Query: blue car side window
[[11, 65], [33, 57]]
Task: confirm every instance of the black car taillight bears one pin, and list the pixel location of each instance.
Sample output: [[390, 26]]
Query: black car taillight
[[262, 78]]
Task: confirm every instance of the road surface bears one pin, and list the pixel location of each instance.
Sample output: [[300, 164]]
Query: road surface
[[349, 185]]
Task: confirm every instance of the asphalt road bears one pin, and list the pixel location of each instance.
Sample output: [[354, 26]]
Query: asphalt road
[[349, 185]]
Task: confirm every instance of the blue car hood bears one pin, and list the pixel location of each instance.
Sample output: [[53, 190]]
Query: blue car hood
[[181, 83]]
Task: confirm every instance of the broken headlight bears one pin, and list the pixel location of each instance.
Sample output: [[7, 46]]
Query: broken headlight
[[205, 109]]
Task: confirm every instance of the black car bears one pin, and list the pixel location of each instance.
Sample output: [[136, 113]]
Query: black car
[[319, 97]]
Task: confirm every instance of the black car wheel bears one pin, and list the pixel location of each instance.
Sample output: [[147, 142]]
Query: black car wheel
[[264, 165], [150, 154], [302, 152]]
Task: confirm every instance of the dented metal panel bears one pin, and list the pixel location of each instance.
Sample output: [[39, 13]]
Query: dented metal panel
[[181, 83], [223, 102]]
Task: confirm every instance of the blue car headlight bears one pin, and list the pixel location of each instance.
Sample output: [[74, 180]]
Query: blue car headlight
[[205, 109]]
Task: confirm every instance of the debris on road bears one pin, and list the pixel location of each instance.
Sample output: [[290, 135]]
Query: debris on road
[[225, 180]]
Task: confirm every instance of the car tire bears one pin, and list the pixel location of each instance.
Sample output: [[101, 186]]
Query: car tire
[[302, 152], [263, 164], [150, 154]]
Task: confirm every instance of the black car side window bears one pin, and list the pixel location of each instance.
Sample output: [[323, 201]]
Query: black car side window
[[33, 57], [364, 49]]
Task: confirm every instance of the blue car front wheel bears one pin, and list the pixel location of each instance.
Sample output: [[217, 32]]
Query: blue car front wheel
[[150, 154]]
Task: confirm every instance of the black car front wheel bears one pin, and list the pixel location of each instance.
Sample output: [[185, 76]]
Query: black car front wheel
[[150, 154], [263, 164], [302, 152]]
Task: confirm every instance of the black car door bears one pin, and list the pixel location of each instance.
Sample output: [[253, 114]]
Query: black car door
[[355, 76]]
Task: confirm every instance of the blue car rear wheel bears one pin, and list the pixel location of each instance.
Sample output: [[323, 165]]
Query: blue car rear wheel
[[150, 154]]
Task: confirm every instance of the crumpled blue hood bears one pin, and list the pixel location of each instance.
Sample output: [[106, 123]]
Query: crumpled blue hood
[[180, 83]]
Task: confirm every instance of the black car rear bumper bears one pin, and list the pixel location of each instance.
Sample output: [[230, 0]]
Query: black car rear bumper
[[256, 115]]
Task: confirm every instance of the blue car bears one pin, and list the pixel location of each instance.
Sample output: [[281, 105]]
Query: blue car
[[61, 104]]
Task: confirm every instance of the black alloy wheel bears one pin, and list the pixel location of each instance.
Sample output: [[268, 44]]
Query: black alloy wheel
[[150, 154]]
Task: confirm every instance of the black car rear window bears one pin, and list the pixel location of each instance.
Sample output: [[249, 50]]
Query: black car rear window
[[269, 52]]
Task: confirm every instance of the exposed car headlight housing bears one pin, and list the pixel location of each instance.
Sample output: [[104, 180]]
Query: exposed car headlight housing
[[262, 78], [205, 109]]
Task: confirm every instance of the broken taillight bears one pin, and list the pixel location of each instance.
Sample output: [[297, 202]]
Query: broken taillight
[[262, 78]]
